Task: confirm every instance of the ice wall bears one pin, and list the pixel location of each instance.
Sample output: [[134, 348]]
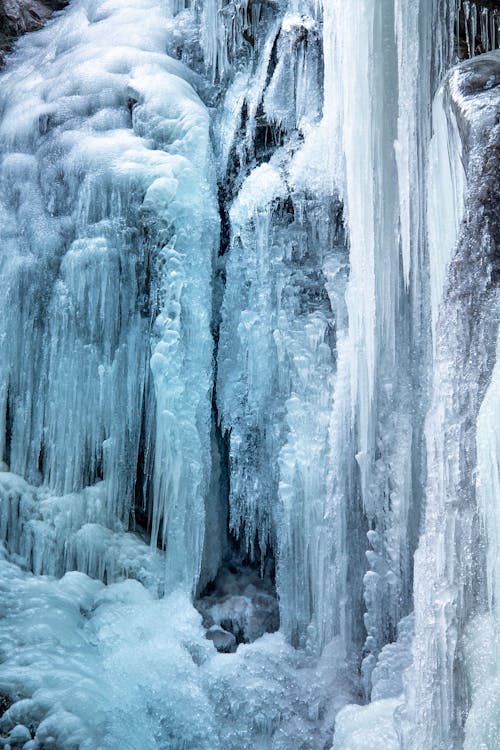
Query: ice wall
[[177, 401], [454, 554], [335, 141], [109, 228], [378, 108]]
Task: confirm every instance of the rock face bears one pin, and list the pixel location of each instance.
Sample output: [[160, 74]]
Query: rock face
[[19, 16]]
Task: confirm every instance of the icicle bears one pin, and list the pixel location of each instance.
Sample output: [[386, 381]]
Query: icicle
[[98, 176], [451, 561], [445, 199], [473, 31], [482, 638]]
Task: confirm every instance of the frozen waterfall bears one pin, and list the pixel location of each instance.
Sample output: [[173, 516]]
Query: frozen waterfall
[[249, 376]]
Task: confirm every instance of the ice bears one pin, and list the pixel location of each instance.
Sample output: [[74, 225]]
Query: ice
[[452, 563], [481, 26], [360, 727], [91, 665], [368, 57], [112, 666], [277, 333], [481, 652], [243, 254], [110, 230], [393, 660], [488, 483], [252, 689], [482, 639], [230, 31], [420, 27], [298, 70], [445, 198], [247, 342]]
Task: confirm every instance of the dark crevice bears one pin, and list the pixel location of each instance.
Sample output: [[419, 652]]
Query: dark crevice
[[469, 44], [5, 703], [240, 604], [8, 429], [141, 513]]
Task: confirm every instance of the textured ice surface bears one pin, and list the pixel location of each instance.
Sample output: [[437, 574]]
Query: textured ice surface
[[453, 561], [108, 234], [159, 382], [112, 666], [93, 666], [371, 726]]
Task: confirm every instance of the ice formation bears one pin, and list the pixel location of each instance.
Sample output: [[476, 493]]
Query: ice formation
[[249, 381]]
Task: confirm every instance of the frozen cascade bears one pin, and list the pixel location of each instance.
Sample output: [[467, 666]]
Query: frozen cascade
[[452, 549], [231, 292], [105, 259], [372, 50]]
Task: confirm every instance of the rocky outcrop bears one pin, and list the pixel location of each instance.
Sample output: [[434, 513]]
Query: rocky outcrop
[[19, 16]]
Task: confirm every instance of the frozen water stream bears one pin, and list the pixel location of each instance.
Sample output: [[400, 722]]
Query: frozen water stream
[[249, 482]]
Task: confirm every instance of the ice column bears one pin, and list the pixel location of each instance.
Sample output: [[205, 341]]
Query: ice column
[[446, 186]]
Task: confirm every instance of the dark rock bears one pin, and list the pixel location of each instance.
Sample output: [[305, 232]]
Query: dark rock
[[240, 603], [19, 16], [223, 641], [5, 704]]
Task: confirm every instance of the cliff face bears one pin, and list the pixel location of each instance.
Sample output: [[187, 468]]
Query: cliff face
[[19, 16]]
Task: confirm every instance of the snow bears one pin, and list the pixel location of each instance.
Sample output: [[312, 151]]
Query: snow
[[359, 727]]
